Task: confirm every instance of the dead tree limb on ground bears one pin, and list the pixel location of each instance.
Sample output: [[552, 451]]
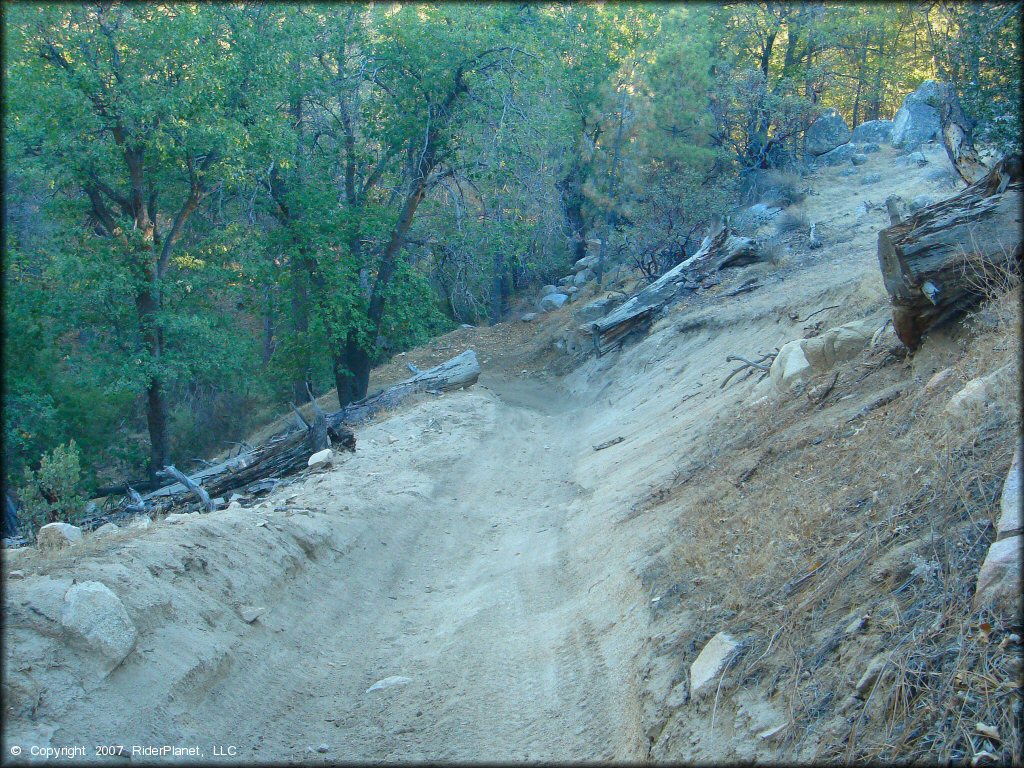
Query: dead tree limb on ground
[[172, 472], [260, 467], [722, 249], [763, 363], [942, 260]]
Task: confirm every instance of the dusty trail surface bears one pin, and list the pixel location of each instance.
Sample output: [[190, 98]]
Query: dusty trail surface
[[470, 596], [446, 562]]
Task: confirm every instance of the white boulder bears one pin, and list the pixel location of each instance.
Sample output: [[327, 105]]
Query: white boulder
[[95, 616], [1009, 504], [322, 458], [58, 535], [790, 367], [999, 576]]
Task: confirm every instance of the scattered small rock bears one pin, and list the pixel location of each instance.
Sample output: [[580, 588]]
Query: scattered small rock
[[141, 521], [58, 535], [15, 575], [770, 733], [871, 674], [106, 529], [856, 625], [871, 178], [322, 748], [179, 517], [389, 682], [324, 458], [710, 662], [250, 613], [529, 317], [938, 379], [858, 159]]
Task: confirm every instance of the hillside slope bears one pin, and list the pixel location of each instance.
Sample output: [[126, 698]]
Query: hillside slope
[[545, 600]]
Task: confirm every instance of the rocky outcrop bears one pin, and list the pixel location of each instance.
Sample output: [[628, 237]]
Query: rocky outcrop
[[800, 359], [1009, 523], [873, 131], [826, 133], [977, 395], [917, 120], [999, 577]]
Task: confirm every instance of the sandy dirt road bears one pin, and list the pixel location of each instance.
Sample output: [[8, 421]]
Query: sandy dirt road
[[462, 582]]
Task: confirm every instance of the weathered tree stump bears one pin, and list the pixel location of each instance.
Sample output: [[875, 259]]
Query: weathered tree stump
[[945, 259]]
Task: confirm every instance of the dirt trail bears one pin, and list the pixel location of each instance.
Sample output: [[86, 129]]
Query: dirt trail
[[472, 599], [458, 572]]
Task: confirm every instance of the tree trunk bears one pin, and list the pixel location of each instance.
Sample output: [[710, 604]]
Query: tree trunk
[[957, 137], [156, 419], [951, 255]]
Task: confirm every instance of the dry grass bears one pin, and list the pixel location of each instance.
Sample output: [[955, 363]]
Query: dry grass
[[791, 221], [872, 502]]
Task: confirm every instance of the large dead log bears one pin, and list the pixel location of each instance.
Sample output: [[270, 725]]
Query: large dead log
[[722, 249], [461, 371], [285, 455], [941, 261]]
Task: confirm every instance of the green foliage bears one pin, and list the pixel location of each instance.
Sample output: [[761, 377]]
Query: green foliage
[[350, 179], [53, 493]]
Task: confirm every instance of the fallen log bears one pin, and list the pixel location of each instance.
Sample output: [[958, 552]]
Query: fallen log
[[942, 261], [281, 457], [287, 454], [722, 249], [174, 473], [461, 371]]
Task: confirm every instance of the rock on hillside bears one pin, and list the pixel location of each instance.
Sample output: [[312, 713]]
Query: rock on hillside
[[917, 120], [827, 132]]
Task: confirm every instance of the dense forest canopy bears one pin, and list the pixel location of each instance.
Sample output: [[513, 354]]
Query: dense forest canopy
[[214, 209]]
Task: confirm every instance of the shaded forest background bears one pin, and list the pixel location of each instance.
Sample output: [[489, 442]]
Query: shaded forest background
[[212, 210]]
